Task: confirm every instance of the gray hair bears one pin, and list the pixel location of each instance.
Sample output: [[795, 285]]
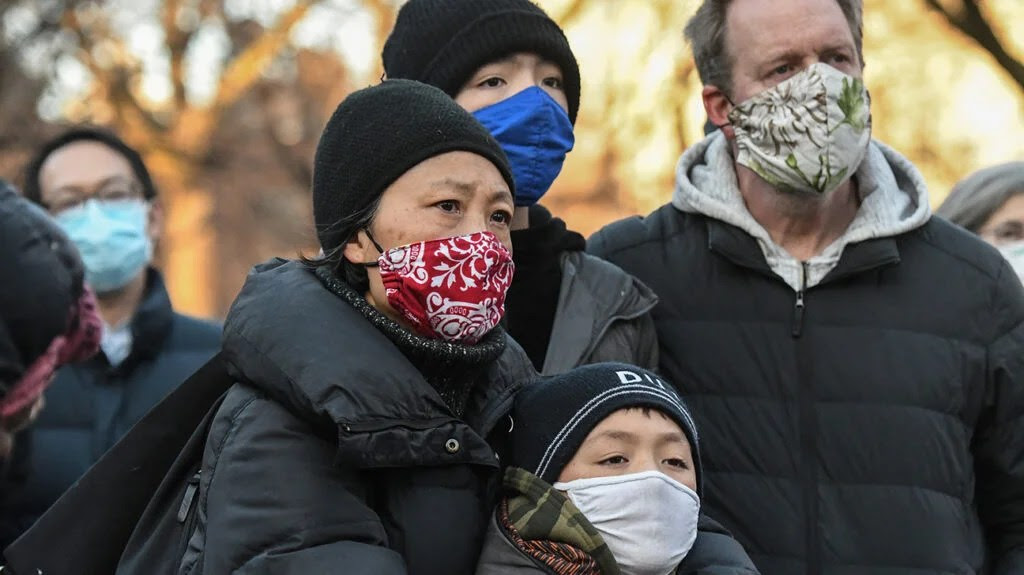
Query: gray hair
[[706, 33], [975, 198]]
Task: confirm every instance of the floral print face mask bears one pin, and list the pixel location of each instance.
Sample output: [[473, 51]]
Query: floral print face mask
[[450, 288], [808, 134]]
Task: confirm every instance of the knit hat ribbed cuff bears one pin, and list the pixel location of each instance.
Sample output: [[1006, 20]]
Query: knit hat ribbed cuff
[[378, 134], [499, 35], [555, 415]]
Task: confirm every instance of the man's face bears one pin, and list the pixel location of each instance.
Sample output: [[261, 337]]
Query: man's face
[[771, 41], [86, 170]]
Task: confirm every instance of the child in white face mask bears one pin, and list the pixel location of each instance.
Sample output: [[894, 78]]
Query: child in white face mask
[[605, 480]]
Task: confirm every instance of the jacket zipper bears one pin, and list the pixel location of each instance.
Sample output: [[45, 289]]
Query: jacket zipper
[[190, 494], [798, 308], [808, 430], [185, 515]]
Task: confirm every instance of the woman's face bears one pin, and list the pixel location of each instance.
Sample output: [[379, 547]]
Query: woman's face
[[454, 194], [1006, 225], [507, 77]]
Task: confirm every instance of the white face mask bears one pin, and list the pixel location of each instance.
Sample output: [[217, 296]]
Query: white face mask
[[649, 535], [808, 134], [1014, 253]]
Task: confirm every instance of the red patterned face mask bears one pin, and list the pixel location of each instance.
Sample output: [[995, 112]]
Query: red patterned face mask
[[451, 288]]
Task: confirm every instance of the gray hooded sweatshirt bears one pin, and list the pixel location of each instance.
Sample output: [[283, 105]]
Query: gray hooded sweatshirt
[[706, 184]]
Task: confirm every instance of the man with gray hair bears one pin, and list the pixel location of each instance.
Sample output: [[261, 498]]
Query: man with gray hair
[[856, 366]]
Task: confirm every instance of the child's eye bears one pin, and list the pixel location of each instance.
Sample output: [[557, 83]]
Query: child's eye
[[492, 82], [553, 82], [675, 462], [614, 460]]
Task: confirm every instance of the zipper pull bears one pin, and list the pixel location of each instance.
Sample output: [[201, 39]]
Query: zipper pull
[[798, 314], [190, 495], [798, 310]]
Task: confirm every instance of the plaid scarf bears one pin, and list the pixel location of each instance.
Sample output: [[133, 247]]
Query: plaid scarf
[[545, 525]]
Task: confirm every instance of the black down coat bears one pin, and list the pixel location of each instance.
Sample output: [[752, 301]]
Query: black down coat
[[332, 454], [871, 425]]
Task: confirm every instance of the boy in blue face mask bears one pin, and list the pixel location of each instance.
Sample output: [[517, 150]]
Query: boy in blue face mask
[[511, 65], [101, 195]]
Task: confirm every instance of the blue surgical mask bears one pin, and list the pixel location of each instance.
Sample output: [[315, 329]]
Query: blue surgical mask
[[536, 134], [111, 236]]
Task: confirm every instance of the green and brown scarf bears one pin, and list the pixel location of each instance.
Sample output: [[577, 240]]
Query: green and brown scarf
[[545, 525]]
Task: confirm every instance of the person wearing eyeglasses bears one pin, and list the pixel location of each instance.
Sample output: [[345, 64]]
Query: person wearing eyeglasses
[[100, 193]]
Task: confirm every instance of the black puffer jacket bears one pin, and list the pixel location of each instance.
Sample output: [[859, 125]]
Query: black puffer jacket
[[873, 425], [333, 454]]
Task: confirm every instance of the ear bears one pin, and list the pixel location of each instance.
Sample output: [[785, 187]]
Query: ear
[[356, 249], [717, 107], [155, 225]]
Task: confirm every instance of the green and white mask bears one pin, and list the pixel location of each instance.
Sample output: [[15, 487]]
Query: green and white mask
[[808, 134]]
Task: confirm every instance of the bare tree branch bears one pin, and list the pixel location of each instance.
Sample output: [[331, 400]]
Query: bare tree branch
[[571, 12], [247, 68], [115, 80], [970, 21], [298, 168], [177, 42]]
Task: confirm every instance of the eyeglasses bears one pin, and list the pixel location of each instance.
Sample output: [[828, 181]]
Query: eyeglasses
[[110, 193]]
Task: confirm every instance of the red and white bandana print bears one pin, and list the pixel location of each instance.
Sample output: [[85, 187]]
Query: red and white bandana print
[[450, 288]]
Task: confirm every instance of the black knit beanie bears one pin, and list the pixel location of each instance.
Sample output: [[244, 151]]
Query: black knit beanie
[[443, 42], [553, 416], [379, 133], [42, 279]]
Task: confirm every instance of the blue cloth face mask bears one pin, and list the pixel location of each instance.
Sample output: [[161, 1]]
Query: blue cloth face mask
[[536, 134], [111, 236]]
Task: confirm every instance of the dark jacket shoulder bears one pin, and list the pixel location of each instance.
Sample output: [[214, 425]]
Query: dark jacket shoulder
[[637, 231], [190, 333], [602, 315]]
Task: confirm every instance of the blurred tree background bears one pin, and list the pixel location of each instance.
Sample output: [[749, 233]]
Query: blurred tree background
[[226, 100]]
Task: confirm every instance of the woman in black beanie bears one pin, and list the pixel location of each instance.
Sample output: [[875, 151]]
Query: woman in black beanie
[[364, 431], [509, 63]]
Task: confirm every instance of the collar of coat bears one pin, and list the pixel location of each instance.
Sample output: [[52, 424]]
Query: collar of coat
[[894, 201], [150, 324], [306, 348]]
